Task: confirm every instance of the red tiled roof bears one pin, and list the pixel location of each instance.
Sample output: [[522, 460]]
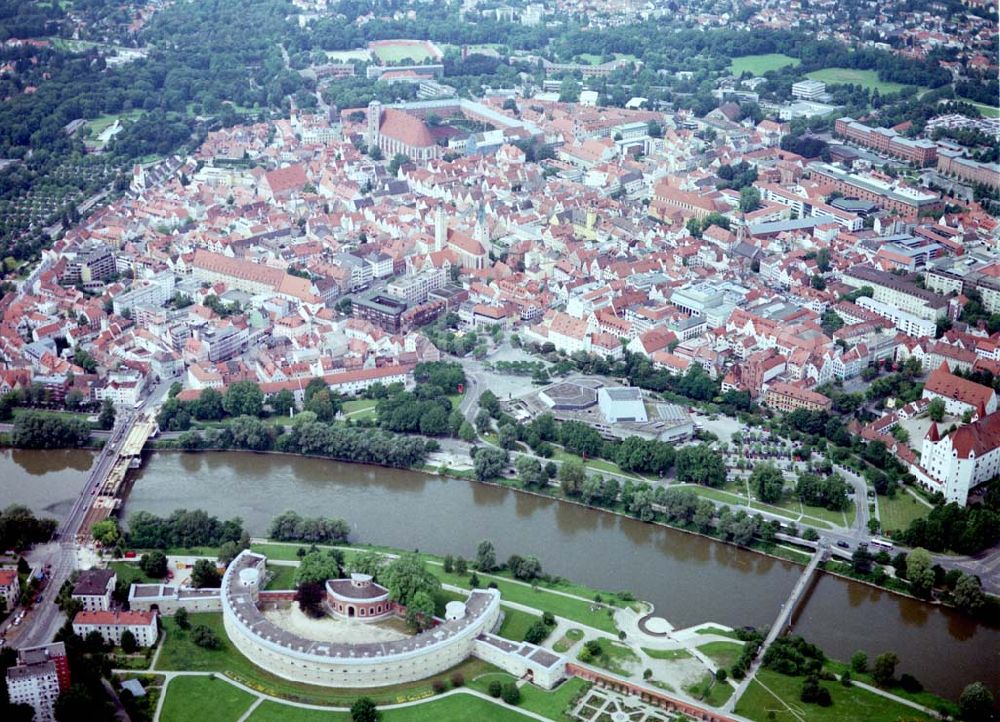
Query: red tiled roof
[[107, 617], [944, 383], [7, 577], [405, 128], [978, 437]]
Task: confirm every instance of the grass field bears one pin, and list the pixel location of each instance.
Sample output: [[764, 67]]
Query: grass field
[[710, 691], [790, 509], [515, 623], [668, 654], [897, 513], [771, 692], [988, 111], [284, 577], [100, 124], [552, 705], [189, 698], [717, 631], [760, 64], [131, 573], [455, 708], [865, 78], [599, 465], [393, 53], [722, 653], [615, 657], [359, 409]]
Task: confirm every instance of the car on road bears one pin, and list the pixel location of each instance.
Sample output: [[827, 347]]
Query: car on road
[[843, 545]]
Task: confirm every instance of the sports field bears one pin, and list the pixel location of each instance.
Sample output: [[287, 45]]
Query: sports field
[[760, 64], [866, 78], [392, 52]]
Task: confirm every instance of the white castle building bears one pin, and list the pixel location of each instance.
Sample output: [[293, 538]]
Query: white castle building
[[957, 463]]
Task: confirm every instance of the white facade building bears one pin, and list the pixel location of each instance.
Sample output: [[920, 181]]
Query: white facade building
[[36, 685], [956, 463], [112, 625]]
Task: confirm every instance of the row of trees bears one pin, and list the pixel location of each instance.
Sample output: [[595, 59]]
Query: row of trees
[[183, 529], [38, 430], [289, 526], [20, 528]]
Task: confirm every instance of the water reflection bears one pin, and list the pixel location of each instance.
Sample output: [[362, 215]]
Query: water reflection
[[38, 463]]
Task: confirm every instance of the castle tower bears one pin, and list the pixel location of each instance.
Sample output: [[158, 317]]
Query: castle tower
[[440, 229], [374, 122]]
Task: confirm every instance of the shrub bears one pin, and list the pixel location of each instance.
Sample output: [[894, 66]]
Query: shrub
[[438, 686], [536, 633], [494, 689], [458, 679], [181, 619], [510, 693], [203, 636]]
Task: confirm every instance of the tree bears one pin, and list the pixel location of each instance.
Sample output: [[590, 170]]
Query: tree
[[768, 482], [461, 566], [529, 471], [203, 636], [507, 436], [154, 564], [397, 162], [486, 556], [406, 577], [209, 406], [537, 632], [936, 409], [106, 532], [572, 474], [524, 568], [310, 596], [569, 90], [319, 566], [466, 432], [243, 398], [700, 464], [976, 703], [129, 643], [106, 419], [510, 693], [283, 402], [181, 618], [204, 574], [495, 689], [364, 710], [920, 572], [420, 611], [968, 593], [884, 668], [490, 463], [749, 199]]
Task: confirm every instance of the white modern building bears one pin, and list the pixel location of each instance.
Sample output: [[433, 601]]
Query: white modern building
[[809, 89], [623, 403], [908, 323]]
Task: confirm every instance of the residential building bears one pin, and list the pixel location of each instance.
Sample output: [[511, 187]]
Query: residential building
[[787, 397], [10, 588], [93, 589], [111, 625], [959, 394]]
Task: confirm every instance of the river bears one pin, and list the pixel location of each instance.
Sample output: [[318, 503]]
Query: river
[[690, 579]]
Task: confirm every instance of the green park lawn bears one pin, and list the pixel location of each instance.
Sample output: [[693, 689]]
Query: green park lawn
[[551, 704], [722, 653], [131, 573], [189, 698], [615, 657], [760, 64], [667, 654], [284, 577], [988, 111], [515, 623], [710, 691], [359, 408], [716, 631], [778, 693], [865, 78], [599, 465], [791, 509], [898, 512]]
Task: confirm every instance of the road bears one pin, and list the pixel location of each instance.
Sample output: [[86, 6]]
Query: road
[[60, 555]]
